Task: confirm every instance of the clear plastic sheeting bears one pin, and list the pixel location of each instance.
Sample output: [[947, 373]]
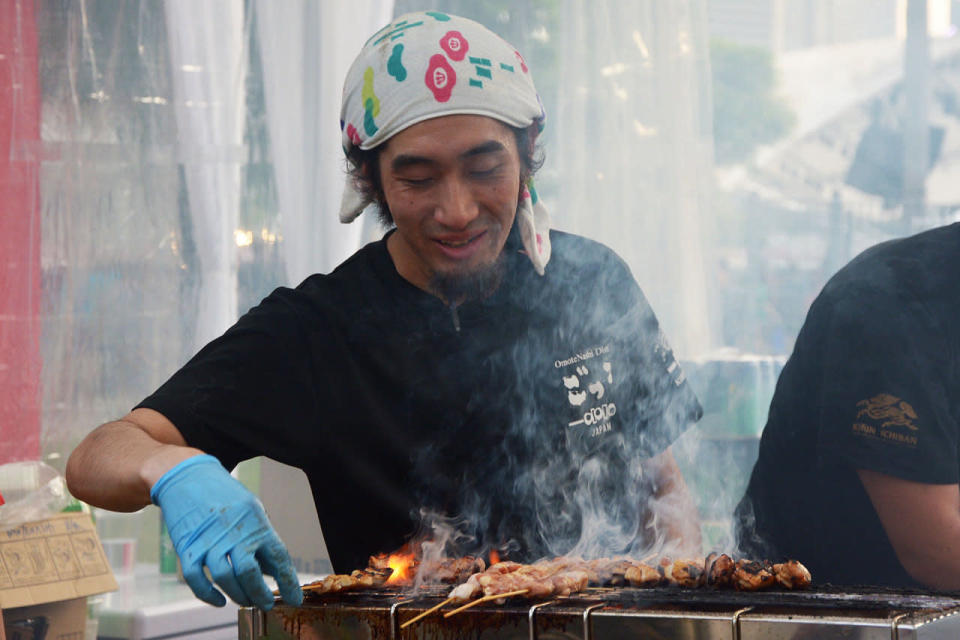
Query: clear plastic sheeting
[[157, 196], [635, 149], [32, 490], [119, 260], [207, 65], [303, 76], [165, 164]]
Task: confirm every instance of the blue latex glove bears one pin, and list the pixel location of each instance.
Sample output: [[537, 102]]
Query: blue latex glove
[[214, 521]]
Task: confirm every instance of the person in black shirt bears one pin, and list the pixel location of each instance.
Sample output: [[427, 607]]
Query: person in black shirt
[[446, 368], [860, 458]]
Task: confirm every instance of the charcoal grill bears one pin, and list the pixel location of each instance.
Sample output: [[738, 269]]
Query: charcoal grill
[[620, 613]]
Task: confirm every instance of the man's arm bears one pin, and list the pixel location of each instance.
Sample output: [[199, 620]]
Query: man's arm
[[115, 466], [215, 523], [673, 506], [922, 522]]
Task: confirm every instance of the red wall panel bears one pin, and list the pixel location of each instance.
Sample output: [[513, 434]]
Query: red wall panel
[[20, 292]]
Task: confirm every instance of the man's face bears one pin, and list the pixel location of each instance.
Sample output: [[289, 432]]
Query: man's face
[[452, 184]]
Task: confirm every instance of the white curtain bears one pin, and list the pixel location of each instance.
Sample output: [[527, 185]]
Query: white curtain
[[306, 48], [635, 150], [208, 63]]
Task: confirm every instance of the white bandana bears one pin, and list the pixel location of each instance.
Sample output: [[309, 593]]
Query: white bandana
[[431, 64]]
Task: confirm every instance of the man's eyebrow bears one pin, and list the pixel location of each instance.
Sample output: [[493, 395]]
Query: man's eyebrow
[[491, 146], [405, 160]]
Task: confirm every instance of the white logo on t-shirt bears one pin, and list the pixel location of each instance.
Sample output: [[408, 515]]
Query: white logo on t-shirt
[[586, 387]]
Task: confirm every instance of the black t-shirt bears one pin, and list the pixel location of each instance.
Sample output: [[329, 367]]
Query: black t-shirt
[[872, 384], [535, 411]]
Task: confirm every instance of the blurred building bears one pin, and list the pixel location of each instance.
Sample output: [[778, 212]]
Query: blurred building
[[836, 183], [785, 25], [848, 149]]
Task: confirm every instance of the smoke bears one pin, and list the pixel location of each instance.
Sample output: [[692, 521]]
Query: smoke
[[555, 451], [608, 525], [562, 462], [440, 537], [719, 454]]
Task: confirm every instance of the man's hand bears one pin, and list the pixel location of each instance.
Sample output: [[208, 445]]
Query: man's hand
[[673, 506], [214, 521]]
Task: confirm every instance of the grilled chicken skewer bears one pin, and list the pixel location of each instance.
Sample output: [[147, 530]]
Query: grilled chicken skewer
[[683, 573], [719, 568], [792, 575], [565, 575], [553, 578], [643, 575], [359, 579], [753, 575]]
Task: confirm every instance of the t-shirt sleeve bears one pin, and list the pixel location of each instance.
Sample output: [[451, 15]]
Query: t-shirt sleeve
[[242, 392], [664, 405], [884, 405], [654, 399]]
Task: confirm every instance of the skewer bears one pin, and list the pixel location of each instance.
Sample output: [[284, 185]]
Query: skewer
[[425, 613], [495, 596]]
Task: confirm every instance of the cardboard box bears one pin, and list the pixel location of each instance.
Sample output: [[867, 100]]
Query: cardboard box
[[47, 570], [63, 620]]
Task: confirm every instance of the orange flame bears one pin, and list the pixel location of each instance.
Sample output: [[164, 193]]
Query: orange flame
[[494, 557], [402, 565]]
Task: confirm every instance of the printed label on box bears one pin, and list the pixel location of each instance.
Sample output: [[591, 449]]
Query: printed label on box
[[50, 551], [52, 559]]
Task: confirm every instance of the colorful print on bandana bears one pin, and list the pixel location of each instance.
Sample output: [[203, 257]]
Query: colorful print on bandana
[[532, 192], [371, 103], [353, 135], [523, 63], [455, 45], [395, 31], [395, 65], [482, 68], [440, 78]]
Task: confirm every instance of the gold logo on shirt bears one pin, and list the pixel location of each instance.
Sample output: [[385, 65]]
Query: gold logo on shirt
[[891, 413], [892, 410]]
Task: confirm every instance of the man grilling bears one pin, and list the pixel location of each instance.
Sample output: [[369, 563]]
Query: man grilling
[[473, 363], [858, 469]]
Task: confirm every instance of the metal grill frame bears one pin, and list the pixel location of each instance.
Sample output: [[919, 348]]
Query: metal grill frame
[[612, 613]]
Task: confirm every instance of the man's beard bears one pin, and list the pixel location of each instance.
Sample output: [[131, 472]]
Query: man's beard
[[457, 287]]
